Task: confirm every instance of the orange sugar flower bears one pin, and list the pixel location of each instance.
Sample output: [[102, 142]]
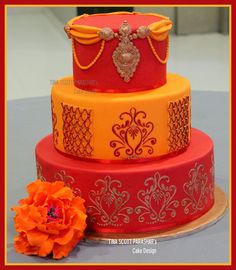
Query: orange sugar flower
[[50, 220]]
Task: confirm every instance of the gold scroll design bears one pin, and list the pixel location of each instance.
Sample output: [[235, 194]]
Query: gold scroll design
[[179, 124], [158, 203], [68, 180], [39, 170], [212, 174], [77, 131], [109, 203], [197, 190], [54, 123], [212, 169], [134, 135]]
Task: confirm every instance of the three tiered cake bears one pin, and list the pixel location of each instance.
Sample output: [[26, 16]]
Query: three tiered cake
[[122, 137]]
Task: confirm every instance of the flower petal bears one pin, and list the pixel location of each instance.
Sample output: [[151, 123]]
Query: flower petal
[[63, 251], [23, 222], [55, 186], [64, 193], [36, 237], [22, 245], [52, 227], [40, 198], [63, 239], [78, 202], [79, 221], [46, 247], [35, 187]]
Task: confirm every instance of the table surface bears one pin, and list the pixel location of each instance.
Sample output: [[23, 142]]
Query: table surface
[[28, 120]]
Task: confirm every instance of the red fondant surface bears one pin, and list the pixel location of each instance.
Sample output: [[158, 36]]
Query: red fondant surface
[[103, 76], [137, 197]]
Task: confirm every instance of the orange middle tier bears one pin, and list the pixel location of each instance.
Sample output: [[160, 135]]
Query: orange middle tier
[[124, 126]]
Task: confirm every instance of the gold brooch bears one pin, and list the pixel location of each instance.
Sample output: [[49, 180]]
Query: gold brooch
[[126, 56]]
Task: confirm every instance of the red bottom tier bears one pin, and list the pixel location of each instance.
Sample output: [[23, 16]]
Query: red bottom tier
[[141, 197]]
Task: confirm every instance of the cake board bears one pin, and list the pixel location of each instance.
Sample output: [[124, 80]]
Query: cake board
[[211, 217]]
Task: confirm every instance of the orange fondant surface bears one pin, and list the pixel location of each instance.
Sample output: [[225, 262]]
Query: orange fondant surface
[[95, 120]]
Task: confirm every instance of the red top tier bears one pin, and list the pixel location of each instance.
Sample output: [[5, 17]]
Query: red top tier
[[119, 52]]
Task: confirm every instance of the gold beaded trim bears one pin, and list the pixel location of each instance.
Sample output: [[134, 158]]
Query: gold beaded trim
[[93, 61], [107, 34], [162, 61]]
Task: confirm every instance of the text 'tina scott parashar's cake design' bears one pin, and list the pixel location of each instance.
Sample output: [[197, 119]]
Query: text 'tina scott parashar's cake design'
[[122, 136]]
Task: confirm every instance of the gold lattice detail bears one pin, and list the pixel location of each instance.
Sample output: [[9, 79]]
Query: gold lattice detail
[[77, 131], [55, 131], [179, 124]]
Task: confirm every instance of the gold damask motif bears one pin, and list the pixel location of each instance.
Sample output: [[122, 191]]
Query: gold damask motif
[[40, 171], [134, 135], [197, 190], [107, 203], [68, 180], [126, 56], [158, 204], [179, 124], [212, 169], [77, 131]]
